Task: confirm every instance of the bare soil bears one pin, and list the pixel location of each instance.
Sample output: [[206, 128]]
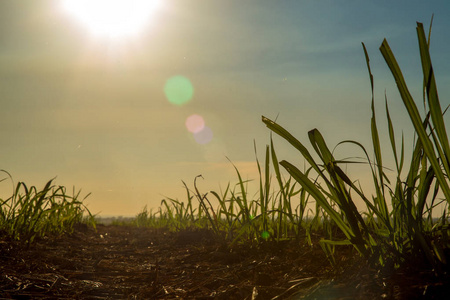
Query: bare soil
[[119, 262]]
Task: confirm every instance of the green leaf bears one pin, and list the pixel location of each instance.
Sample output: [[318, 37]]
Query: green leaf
[[414, 116]]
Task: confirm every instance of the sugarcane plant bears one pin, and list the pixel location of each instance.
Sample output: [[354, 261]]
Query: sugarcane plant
[[407, 230]]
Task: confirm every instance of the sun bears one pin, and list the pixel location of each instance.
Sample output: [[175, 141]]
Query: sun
[[112, 18]]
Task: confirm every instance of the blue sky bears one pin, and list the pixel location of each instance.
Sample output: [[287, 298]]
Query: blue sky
[[92, 111]]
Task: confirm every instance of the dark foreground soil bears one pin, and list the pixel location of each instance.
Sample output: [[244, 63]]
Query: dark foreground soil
[[139, 263]]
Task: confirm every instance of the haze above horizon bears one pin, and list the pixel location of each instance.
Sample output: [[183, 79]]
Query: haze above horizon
[[128, 116]]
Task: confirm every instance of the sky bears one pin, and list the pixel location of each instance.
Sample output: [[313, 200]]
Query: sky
[[106, 110]]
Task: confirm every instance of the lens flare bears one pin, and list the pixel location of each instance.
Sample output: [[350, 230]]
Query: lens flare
[[204, 136], [195, 123], [178, 90]]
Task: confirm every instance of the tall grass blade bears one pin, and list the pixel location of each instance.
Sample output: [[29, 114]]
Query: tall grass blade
[[415, 116], [432, 96]]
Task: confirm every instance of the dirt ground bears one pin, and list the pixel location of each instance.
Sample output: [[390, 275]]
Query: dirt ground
[[118, 262]]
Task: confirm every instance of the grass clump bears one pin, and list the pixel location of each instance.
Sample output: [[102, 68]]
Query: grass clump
[[31, 213], [407, 231], [275, 213]]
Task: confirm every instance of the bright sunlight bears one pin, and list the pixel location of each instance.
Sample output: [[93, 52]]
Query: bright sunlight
[[112, 18]]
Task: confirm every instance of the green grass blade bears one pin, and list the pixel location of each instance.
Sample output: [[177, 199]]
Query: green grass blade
[[432, 95], [414, 116], [399, 165], [378, 181], [311, 188], [273, 126], [285, 196], [242, 202]]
